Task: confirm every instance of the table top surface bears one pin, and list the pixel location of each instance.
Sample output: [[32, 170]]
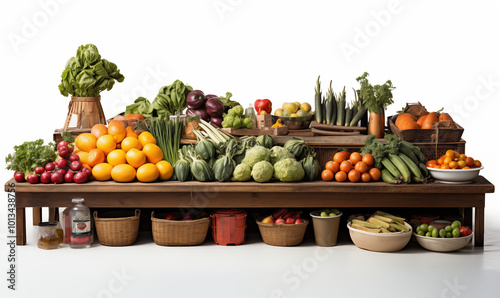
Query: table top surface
[[479, 185]]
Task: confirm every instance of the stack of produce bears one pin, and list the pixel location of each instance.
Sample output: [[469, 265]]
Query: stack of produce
[[454, 160], [30, 159], [209, 107], [454, 230], [416, 116], [234, 119], [399, 161], [292, 109], [380, 222], [351, 166], [284, 216], [117, 152]]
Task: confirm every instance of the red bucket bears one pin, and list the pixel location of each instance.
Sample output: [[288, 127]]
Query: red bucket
[[228, 226]]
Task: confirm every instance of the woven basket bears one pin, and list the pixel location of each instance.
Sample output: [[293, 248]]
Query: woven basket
[[177, 233], [283, 234], [119, 231], [426, 135]]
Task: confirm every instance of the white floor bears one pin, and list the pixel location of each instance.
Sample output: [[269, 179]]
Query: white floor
[[256, 270]]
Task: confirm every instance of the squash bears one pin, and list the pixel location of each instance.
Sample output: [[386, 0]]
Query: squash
[[430, 120], [421, 120], [447, 117], [406, 120]]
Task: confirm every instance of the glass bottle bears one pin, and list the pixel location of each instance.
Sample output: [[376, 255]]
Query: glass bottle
[[81, 225], [47, 235], [250, 113], [60, 232]]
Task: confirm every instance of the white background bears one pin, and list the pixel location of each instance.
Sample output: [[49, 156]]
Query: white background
[[440, 53]]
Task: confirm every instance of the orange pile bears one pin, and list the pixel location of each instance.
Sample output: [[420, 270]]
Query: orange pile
[[117, 152], [454, 160], [352, 167]]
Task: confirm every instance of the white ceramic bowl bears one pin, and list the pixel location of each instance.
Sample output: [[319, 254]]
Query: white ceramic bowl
[[382, 242], [454, 176], [443, 244]]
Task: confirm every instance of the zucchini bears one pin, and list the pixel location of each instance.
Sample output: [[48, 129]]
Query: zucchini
[[317, 102], [387, 177], [408, 151], [341, 108], [391, 167], [358, 112], [348, 116], [424, 170], [414, 169], [399, 163], [420, 156]]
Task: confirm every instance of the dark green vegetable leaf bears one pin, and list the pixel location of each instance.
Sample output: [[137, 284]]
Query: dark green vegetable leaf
[[29, 155]]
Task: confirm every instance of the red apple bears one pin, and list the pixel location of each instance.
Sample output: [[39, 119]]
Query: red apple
[[290, 221], [279, 221], [299, 221]]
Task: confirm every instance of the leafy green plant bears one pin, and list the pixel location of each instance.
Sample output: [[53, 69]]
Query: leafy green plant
[[171, 99], [86, 74], [29, 155], [376, 98], [140, 106]]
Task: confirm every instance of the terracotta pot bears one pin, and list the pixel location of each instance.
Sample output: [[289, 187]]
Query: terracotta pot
[[376, 124]]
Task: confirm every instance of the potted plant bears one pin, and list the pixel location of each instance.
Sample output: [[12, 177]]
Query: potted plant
[[376, 99], [84, 77]]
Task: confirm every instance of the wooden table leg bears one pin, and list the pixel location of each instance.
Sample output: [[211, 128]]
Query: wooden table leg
[[54, 214], [479, 226], [37, 215], [21, 226], [467, 213]]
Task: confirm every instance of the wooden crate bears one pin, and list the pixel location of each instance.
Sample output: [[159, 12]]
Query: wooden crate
[[264, 121], [425, 135], [57, 137]]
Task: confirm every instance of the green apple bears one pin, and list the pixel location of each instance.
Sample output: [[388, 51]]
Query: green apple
[[332, 214], [324, 214]]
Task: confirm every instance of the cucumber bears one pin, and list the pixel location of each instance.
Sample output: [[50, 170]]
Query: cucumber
[[405, 172], [388, 178], [420, 156], [391, 167], [414, 169], [408, 151], [424, 170]]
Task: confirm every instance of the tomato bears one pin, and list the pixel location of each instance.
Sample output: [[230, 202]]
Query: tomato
[[332, 166], [477, 163], [346, 166], [431, 163], [368, 159], [355, 158], [340, 176], [354, 176], [463, 231], [339, 157], [469, 161], [361, 167], [327, 175], [365, 177], [375, 174]]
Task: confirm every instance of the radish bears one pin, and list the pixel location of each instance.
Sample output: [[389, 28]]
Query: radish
[[68, 177], [45, 177], [63, 152], [39, 170], [61, 163], [50, 166], [76, 165], [57, 178], [80, 177], [61, 171], [87, 172], [19, 177], [74, 157], [32, 178]]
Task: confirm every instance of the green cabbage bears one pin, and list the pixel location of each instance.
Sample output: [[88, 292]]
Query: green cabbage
[[262, 171], [242, 172], [256, 154], [288, 170], [278, 153]]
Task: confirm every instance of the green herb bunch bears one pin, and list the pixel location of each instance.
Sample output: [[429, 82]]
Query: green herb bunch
[[376, 98]]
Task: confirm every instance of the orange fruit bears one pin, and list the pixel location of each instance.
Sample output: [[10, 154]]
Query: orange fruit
[[134, 116], [332, 166], [354, 176], [135, 158], [130, 132], [106, 143], [365, 177], [83, 156], [368, 159], [375, 174], [117, 129], [355, 157], [86, 141], [99, 130], [166, 170], [339, 157], [123, 173], [148, 173], [361, 167], [95, 156], [153, 153], [346, 166], [146, 138], [340, 176], [116, 157], [129, 143], [469, 161], [327, 175], [102, 171]]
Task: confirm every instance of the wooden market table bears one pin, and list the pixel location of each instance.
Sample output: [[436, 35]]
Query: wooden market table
[[193, 194]]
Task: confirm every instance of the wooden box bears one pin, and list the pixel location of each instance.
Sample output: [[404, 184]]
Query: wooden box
[[426, 135], [264, 121]]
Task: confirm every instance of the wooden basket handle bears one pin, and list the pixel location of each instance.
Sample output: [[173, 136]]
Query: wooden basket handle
[[95, 214], [137, 213]]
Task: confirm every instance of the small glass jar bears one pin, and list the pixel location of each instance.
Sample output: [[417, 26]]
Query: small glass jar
[[47, 235]]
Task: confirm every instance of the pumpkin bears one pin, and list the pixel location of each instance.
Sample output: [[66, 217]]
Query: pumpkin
[[410, 124], [421, 120], [429, 120], [403, 119], [447, 117]]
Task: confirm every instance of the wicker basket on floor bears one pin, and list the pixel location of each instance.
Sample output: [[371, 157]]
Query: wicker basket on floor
[[119, 231], [179, 233], [283, 234]]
